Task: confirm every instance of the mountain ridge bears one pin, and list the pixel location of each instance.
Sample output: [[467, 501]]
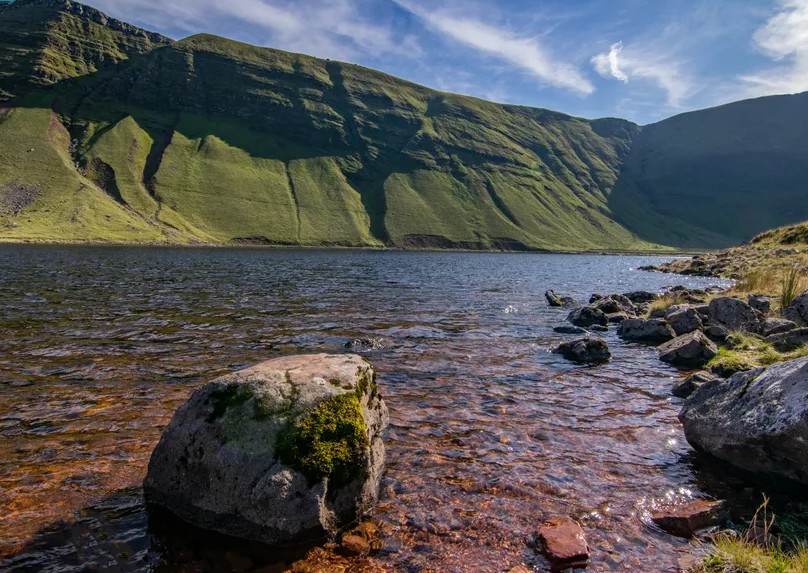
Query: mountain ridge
[[207, 139]]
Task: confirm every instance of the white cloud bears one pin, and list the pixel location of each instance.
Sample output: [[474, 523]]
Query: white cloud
[[784, 38], [607, 64], [524, 53], [337, 29], [663, 69]]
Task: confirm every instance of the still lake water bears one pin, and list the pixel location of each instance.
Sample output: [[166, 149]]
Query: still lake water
[[490, 432]]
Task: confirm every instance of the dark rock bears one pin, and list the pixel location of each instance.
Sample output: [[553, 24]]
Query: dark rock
[[641, 296], [585, 351], [560, 301], [797, 310], [733, 314], [691, 350], [595, 298], [776, 326], [702, 309], [653, 330], [759, 302], [599, 328], [569, 329], [587, 316], [649, 268], [756, 420], [684, 320], [789, 340], [562, 542], [616, 317], [685, 520], [686, 386], [716, 332], [615, 303], [234, 457], [365, 344]]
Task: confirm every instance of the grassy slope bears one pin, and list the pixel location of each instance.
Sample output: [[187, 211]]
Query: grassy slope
[[716, 177]]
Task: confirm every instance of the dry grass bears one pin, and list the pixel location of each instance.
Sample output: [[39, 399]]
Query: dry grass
[[665, 302]]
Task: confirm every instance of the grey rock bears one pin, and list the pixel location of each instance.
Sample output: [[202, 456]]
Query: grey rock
[[653, 330], [569, 329], [365, 344], [686, 386], [615, 303], [702, 309], [733, 314], [595, 298], [585, 351], [587, 316], [789, 340], [797, 310], [691, 350], [641, 296], [776, 326], [716, 332], [599, 328], [616, 317], [217, 463], [685, 320], [756, 420], [657, 313], [759, 302], [560, 301]]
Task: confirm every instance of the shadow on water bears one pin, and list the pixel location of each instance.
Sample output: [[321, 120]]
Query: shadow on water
[[120, 532]]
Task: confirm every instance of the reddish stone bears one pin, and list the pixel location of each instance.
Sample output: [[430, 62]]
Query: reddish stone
[[354, 546], [686, 519], [562, 541], [520, 569]]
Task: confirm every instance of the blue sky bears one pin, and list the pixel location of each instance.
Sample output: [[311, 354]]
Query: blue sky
[[639, 59]]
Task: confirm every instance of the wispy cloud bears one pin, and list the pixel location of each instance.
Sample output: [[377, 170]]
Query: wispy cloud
[[327, 28], [784, 39], [607, 64], [525, 53]]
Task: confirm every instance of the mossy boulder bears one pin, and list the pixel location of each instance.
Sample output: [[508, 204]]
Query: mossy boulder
[[283, 453]]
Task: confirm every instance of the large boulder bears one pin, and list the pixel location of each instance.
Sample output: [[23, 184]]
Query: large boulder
[[684, 320], [588, 316], [691, 350], [585, 351], [284, 452], [652, 330], [797, 310], [733, 314], [756, 420]]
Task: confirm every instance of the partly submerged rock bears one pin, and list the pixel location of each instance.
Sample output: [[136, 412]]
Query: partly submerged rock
[[686, 386], [733, 314], [568, 329], [560, 301], [585, 351], [587, 316], [615, 303], [562, 542], [282, 452], [652, 330], [365, 344], [641, 296], [756, 420], [691, 350], [686, 519]]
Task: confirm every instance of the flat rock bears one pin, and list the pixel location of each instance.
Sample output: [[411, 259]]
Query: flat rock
[[756, 420], [652, 330], [686, 386], [616, 317], [239, 456], [565, 329], [587, 316], [562, 542], [685, 520], [641, 296], [585, 351], [772, 326], [790, 339], [733, 314], [684, 320], [691, 350]]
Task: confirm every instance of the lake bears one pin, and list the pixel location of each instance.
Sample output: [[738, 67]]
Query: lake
[[490, 433]]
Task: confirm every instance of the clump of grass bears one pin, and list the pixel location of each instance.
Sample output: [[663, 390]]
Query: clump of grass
[[728, 362], [792, 283], [665, 302], [744, 351], [758, 551], [756, 281]]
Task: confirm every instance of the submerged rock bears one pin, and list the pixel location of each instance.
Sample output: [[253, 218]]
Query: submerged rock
[[641, 296], [567, 329], [587, 316], [585, 351], [756, 420], [733, 314], [686, 386], [652, 330], [560, 301], [562, 542], [691, 350], [685, 520], [365, 344], [283, 452]]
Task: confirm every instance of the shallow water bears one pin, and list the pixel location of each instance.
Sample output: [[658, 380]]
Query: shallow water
[[490, 432]]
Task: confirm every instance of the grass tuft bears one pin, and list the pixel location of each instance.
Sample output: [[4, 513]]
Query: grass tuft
[[792, 284]]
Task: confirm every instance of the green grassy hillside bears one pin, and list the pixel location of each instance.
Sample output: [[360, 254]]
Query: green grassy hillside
[[109, 132]]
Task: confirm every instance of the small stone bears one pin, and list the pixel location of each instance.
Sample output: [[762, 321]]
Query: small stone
[[687, 386], [653, 330], [587, 316], [353, 546], [562, 542], [553, 299], [692, 350], [641, 296], [616, 317], [520, 569], [684, 520], [759, 302], [569, 330], [585, 351]]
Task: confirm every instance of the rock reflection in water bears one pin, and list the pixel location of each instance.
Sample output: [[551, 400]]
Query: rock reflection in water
[[490, 433]]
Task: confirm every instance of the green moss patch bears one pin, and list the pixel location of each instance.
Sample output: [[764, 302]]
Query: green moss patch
[[331, 441]]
